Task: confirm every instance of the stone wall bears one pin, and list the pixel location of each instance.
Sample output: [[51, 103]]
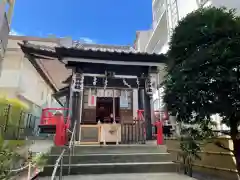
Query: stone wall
[[214, 160]]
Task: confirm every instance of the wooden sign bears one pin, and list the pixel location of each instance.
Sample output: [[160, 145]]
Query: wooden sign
[[90, 134], [117, 93], [108, 93], [100, 92]]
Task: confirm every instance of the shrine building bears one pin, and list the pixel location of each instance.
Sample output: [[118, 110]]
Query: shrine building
[[106, 85]]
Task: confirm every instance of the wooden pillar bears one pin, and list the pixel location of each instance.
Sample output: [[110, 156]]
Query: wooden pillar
[[114, 107], [77, 98], [147, 116], [140, 99], [144, 103]]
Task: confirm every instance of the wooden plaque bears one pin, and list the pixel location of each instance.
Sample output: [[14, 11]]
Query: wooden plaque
[[89, 134]]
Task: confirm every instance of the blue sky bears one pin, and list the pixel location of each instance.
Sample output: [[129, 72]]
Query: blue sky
[[100, 21]]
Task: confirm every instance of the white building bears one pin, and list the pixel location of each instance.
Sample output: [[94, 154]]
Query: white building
[[6, 11], [166, 14], [20, 79]]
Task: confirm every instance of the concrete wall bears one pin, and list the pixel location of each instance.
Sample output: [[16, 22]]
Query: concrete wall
[[214, 160]]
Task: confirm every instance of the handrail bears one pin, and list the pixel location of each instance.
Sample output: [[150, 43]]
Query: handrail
[[59, 160], [71, 147], [71, 143]]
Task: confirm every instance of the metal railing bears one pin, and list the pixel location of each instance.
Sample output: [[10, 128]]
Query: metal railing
[[71, 147], [59, 161]]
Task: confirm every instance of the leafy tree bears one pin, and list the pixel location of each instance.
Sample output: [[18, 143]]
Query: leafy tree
[[192, 139], [204, 70]]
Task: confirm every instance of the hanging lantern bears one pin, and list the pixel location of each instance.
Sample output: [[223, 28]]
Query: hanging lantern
[[148, 86], [77, 83]]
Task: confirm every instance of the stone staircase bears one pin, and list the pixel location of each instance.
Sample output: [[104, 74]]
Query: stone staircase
[[113, 159]]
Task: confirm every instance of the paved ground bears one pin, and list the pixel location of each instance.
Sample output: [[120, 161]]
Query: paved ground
[[150, 176], [37, 146], [200, 176], [41, 146]]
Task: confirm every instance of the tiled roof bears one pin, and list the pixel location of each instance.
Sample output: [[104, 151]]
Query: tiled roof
[[40, 47], [103, 47], [91, 47]]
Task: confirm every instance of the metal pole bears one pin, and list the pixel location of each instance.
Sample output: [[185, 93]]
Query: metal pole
[[114, 119], [29, 171], [69, 161], [73, 143], [61, 167], [81, 106]]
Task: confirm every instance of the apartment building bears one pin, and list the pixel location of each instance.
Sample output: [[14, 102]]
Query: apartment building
[[6, 11], [20, 78], [166, 14]]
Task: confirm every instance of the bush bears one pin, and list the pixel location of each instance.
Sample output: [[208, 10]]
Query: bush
[[12, 115]]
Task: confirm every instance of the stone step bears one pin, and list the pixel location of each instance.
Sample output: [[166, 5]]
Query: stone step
[[132, 176], [113, 149], [114, 168], [45, 137], [113, 158], [43, 146]]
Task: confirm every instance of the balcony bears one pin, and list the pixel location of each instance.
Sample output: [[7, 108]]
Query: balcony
[[160, 33], [157, 9]]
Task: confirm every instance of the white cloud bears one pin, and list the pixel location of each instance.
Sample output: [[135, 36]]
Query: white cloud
[[87, 40], [15, 33]]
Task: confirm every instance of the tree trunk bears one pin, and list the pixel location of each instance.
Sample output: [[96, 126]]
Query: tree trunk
[[236, 141], [236, 146], [185, 165]]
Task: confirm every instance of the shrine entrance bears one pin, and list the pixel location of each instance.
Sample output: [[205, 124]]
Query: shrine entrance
[[105, 107]]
